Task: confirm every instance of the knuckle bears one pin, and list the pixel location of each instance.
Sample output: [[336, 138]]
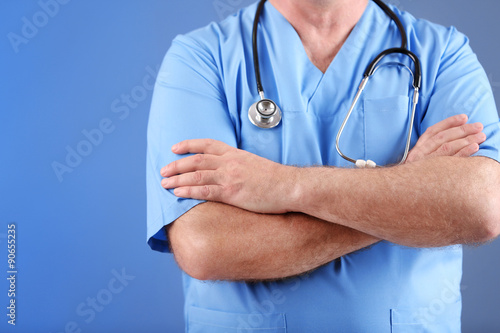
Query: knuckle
[[173, 181], [463, 153], [415, 156], [471, 139], [446, 148], [188, 191], [174, 165], [419, 145], [232, 166], [468, 151], [230, 190], [424, 137], [430, 131], [440, 137], [205, 191], [197, 177], [465, 129], [198, 159]]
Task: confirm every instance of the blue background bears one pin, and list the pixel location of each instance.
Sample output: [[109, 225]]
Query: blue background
[[76, 232]]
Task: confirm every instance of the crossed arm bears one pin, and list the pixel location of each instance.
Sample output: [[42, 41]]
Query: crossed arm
[[290, 220]]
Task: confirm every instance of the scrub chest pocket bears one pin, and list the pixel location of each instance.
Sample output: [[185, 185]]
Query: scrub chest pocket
[[210, 321], [412, 321], [386, 122]]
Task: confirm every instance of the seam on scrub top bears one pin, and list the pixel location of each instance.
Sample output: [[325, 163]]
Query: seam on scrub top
[[207, 53], [197, 92]]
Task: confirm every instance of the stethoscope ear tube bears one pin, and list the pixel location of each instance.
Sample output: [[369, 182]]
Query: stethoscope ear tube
[[256, 64], [417, 78], [393, 16]]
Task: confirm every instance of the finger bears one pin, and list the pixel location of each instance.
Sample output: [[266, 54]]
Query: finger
[[456, 133], [197, 178], [206, 192], [414, 155], [463, 147], [189, 164], [468, 150], [201, 146], [447, 136], [445, 124], [453, 147]]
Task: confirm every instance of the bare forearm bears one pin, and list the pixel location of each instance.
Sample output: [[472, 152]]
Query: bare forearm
[[215, 241], [434, 202]]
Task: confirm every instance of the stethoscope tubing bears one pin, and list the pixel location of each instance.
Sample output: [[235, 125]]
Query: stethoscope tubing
[[255, 51], [264, 121]]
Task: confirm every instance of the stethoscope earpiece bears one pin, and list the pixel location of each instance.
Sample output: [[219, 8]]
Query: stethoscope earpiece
[[264, 114]]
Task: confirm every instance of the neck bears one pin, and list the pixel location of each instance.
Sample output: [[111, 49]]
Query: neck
[[322, 25]]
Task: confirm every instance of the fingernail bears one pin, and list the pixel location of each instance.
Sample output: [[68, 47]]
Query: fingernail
[[165, 182], [478, 126], [175, 147]]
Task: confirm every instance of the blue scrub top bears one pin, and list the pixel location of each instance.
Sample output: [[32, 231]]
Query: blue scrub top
[[204, 89]]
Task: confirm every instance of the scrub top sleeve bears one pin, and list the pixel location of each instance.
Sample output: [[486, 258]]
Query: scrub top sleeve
[[462, 86], [188, 103]]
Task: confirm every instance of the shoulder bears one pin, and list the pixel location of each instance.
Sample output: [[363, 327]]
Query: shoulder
[[430, 37], [217, 37], [440, 49]]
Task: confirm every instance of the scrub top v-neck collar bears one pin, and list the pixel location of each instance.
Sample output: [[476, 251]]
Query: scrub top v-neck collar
[[284, 46]]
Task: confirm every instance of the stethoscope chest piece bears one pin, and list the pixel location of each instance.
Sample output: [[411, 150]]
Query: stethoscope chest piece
[[264, 114]]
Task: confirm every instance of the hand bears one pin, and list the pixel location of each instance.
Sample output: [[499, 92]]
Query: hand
[[450, 137], [219, 172]]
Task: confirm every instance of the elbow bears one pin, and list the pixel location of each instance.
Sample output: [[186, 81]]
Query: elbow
[[488, 231], [196, 263], [490, 204], [192, 252], [493, 232], [197, 270], [490, 226]]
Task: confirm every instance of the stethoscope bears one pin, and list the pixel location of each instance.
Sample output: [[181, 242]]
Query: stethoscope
[[265, 113]]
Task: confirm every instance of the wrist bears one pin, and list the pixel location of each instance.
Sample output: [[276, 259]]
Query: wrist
[[290, 191], [312, 185], [299, 195]]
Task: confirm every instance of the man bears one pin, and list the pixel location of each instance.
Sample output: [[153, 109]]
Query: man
[[273, 213]]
